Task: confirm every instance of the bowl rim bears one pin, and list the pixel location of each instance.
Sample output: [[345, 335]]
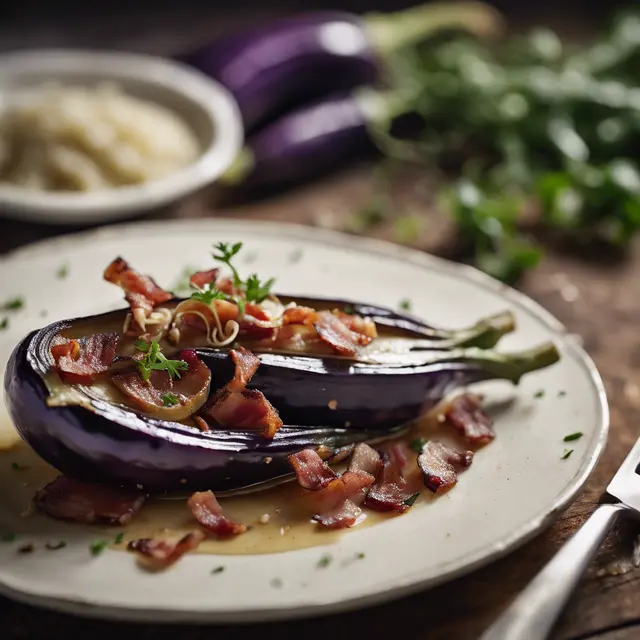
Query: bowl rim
[[216, 102]]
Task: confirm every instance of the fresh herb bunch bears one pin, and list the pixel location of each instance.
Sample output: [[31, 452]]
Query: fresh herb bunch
[[535, 127], [155, 360], [250, 290]]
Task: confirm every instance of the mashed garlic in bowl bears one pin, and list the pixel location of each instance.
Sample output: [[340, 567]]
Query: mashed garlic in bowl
[[90, 136]]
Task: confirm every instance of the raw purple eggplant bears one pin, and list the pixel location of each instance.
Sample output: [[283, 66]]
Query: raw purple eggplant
[[271, 67], [313, 139]]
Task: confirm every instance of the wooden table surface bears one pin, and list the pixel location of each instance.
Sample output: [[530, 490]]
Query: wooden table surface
[[596, 298]]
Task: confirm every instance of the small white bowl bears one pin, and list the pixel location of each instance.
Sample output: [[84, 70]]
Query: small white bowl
[[205, 105]]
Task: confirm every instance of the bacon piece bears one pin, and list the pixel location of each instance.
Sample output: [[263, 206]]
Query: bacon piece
[[141, 292], [365, 458], [312, 472], [68, 499], [333, 332], [332, 497], [89, 357], [391, 491], [246, 366], [299, 315], [160, 554], [208, 512], [466, 416], [202, 278], [440, 465], [366, 327], [235, 407]]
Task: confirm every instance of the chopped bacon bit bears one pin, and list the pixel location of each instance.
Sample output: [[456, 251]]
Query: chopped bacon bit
[[391, 490], [203, 278], [440, 465], [208, 512], [160, 554], [68, 499], [248, 409], [466, 416], [226, 286], [342, 518], [365, 458], [334, 333], [91, 357], [141, 292], [312, 472], [299, 315], [246, 366], [235, 407], [366, 327]]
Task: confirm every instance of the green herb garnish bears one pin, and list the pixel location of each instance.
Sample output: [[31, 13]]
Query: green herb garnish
[[325, 561], [567, 453], [56, 546], [63, 271], [169, 399], [119, 538], [97, 547], [405, 304], [417, 444], [539, 394], [573, 436], [219, 569], [16, 466], [349, 309], [208, 294], [155, 360], [13, 304], [359, 555], [411, 499], [7, 536], [4, 323]]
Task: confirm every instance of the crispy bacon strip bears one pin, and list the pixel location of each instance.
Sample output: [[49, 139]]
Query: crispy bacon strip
[[365, 327], [440, 465], [202, 278], [312, 472], [157, 554], [80, 361], [365, 458], [391, 491], [334, 332], [141, 292], [68, 499], [235, 407], [299, 315], [208, 512], [464, 413], [332, 496]]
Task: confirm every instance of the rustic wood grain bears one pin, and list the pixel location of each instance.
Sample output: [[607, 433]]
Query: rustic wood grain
[[596, 297]]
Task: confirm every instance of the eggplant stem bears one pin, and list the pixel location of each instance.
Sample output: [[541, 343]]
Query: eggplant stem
[[393, 31]]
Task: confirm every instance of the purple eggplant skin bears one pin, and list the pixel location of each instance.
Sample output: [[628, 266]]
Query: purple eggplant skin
[[105, 443], [269, 68]]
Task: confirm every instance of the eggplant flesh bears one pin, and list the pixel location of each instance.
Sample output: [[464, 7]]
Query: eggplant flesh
[[326, 402]]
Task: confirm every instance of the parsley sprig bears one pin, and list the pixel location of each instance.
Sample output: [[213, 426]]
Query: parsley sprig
[[155, 360], [250, 290]]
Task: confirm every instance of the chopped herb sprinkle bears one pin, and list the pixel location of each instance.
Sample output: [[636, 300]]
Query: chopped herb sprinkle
[[7, 536], [13, 304], [405, 304], [359, 555], [98, 546], [349, 308], [411, 499], [119, 538], [539, 394], [63, 271], [4, 323], [155, 360], [55, 546], [16, 466], [567, 453], [325, 561], [169, 399], [219, 569], [573, 436], [417, 444]]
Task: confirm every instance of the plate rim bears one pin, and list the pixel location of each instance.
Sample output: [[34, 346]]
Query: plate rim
[[88, 608]]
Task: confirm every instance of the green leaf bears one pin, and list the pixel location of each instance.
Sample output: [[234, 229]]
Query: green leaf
[[98, 546], [169, 399], [417, 444], [573, 436], [567, 453], [13, 304], [411, 499], [405, 304]]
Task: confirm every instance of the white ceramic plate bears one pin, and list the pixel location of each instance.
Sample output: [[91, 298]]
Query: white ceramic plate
[[515, 487], [204, 104]]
